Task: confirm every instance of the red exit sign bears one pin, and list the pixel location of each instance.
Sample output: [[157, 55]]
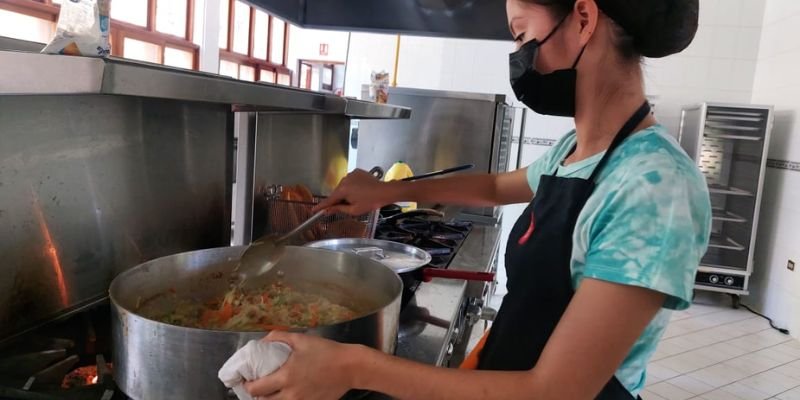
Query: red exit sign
[[323, 49]]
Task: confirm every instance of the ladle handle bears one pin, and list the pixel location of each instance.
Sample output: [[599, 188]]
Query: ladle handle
[[300, 228]]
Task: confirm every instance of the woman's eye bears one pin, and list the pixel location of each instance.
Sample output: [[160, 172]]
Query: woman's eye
[[519, 37]]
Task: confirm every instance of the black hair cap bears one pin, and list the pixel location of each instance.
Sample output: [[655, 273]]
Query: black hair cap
[[658, 27]]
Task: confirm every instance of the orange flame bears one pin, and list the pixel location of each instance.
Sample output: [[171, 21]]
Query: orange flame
[[51, 251]]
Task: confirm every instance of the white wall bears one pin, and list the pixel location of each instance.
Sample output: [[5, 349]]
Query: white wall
[[304, 45], [368, 52], [718, 66], [776, 290]]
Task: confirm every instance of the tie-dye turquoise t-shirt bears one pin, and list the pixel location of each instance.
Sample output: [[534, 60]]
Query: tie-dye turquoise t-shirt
[[646, 224]]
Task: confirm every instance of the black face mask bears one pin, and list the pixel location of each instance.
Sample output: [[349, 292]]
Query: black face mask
[[547, 94]]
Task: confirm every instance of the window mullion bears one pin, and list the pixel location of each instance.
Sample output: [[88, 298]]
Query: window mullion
[[231, 22], [251, 32], [190, 20], [151, 15]]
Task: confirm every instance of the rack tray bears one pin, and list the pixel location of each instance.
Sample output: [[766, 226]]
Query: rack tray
[[722, 242], [732, 137], [723, 215], [730, 190]]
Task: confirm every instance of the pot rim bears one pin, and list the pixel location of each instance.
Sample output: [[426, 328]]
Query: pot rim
[[117, 281]]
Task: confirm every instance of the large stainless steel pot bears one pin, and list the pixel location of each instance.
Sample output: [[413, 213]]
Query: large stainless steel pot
[[154, 360]]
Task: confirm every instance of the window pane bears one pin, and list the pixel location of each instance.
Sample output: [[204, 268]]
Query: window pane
[[315, 79], [284, 79], [178, 58], [305, 76], [267, 76], [241, 28], [228, 68], [199, 17], [223, 23], [277, 36], [132, 11], [327, 76], [260, 34], [171, 17], [21, 26], [143, 51], [247, 73]]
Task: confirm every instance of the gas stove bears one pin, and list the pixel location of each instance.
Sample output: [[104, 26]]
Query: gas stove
[[63, 360], [426, 231], [71, 358]]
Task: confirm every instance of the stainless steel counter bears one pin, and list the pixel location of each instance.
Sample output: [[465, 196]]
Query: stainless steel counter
[[438, 302]]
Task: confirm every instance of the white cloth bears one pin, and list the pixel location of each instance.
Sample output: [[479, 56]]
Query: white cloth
[[256, 359]]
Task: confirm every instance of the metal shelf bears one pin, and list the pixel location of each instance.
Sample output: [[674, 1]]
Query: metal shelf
[[732, 127], [47, 74], [732, 137], [729, 143], [722, 269], [723, 215], [720, 189], [746, 117], [722, 242]]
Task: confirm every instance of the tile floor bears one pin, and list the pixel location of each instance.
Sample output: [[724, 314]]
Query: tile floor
[[713, 352]]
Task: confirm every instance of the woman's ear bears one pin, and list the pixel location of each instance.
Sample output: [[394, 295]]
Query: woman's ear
[[587, 13]]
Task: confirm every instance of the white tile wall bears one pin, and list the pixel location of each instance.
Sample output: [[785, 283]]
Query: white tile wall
[[719, 65], [368, 52], [776, 290]]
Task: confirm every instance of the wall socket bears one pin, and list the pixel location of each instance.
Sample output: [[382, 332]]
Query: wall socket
[[790, 265]]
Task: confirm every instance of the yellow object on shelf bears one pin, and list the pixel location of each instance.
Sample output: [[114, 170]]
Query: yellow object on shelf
[[398, 171]]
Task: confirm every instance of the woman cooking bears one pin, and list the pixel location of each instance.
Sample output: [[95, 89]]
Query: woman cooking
[[619, 220]]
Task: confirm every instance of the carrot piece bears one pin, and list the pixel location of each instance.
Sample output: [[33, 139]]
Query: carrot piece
[[207, 317], [226, 313], [269, 327]]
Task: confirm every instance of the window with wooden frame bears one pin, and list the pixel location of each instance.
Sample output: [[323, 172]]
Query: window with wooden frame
[[253, 44], [157, 31]]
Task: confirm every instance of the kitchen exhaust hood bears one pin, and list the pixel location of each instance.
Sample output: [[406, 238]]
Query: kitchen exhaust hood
[[469, 19]]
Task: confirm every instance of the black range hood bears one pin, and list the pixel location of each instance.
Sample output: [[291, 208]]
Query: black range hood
[[469, 19]]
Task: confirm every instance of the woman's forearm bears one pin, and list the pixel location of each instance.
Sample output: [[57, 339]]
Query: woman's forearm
[[476, 190], [465, 190], [403, 379]]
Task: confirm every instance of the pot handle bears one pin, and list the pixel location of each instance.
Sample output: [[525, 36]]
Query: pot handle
[[430, 273]]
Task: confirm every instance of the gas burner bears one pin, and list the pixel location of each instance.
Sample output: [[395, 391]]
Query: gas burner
[[393, 234], [61, 361], [434, 247], [432, 230]]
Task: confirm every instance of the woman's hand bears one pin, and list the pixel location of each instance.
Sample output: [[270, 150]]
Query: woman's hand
[[357, 194], [317, 369]]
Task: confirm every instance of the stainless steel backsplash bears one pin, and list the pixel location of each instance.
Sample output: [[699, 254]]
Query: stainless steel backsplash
[[92, 185]]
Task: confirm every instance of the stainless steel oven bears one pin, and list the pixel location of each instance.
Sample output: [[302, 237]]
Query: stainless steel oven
[[445, 129]]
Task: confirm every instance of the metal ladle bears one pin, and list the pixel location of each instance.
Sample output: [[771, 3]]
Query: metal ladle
[[265, 253]]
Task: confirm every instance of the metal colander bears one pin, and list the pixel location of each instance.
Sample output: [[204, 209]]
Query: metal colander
[[285, 215]]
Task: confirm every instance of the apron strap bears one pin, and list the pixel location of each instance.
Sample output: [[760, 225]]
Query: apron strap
[[623, 133]]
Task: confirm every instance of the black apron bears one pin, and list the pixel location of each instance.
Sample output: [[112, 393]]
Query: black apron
[[538, 266]]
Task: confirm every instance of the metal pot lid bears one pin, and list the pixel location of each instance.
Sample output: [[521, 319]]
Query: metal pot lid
[[397, 256]]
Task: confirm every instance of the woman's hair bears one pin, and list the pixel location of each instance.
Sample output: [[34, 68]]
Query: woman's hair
[[649, 28]]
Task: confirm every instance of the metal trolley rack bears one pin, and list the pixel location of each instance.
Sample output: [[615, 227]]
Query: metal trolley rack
[[729, 143]]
